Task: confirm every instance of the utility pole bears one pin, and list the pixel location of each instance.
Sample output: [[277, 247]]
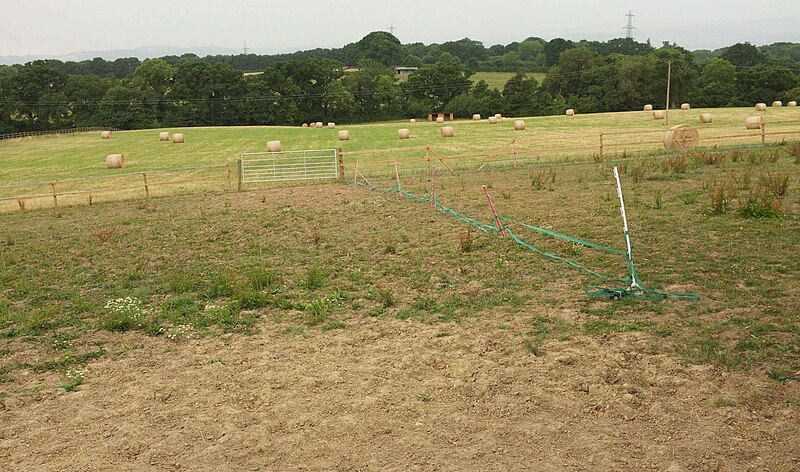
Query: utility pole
[[629, 28], [669, 81], [245, 48], [392, 29]]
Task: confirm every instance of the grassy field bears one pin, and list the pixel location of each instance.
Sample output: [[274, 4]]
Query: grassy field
[[497, 80], [311, 266], [545, 139]]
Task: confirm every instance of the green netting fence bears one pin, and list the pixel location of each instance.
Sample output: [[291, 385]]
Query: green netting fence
[[633, 286]]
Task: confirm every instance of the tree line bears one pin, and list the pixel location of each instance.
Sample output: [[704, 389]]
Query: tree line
[[318, 85]]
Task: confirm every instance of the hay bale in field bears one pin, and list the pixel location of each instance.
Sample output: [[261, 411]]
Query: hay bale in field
[[686, 106], [305, 125], [754, 122], [163, 136], [648, 108], [331, 125], [273, 146], [681, 136], [447, 132], [570, 112], [658, 115], [115, 161], [412, 121], [476, 117], [777, 104], [498, 116], [319, 124], [519, 125], [344, 135], [177, 138], [403, 133], [492, 120], [105, 134], [439, 119], [761, 107], [706, 118], [792, 104]]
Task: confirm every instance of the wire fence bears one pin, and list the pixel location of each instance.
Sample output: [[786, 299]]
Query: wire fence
[[613, 147], [119, 186], [27, 134]]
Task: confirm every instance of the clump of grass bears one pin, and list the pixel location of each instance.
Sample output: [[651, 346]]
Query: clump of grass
[[714, 158], [314, 237], [676, 164], [315, 278], [123, 314], [638, 174], [316, 312], [766, 199], [386, 297], [793, 150], [262, 279], [722, 197], [391, 245], [540, 179], [72, 379], [465, 240]]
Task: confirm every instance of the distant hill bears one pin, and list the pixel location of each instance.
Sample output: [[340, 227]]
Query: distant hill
[[143, 52]]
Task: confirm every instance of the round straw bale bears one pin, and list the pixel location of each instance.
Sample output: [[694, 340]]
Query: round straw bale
[[570, 112], [344, 135], [761, 107], [163, 136], [754, 122], [658, 115], [403, 133], [686, 106], [499, 116], [777, 104], [273, 146], [447, 131], [476, 117], [331, 125], [648, 108], [177, 138], [319, 124], [492, 120], [305, 125], [681, 136], [105, 134], [706, 118], [792, 104], [412, 120], [519, 125], [115, 161], [440, 119]]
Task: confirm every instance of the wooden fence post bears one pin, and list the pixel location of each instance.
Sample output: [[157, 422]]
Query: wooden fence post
[[514, 153], [146, 187], [239, 175], [55, 197], [340, 164], [601, 146], [228, 167], [763, 133]]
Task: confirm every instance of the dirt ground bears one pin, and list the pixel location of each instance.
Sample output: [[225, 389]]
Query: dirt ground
[[400, 395]]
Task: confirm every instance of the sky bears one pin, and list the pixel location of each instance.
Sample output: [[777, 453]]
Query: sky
[[59, 27]]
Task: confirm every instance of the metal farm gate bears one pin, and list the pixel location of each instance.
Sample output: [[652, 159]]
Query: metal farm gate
[[260, 167]]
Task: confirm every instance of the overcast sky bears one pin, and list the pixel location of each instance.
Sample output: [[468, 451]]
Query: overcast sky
[[58, 27]]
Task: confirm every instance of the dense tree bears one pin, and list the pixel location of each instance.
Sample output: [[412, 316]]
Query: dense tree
[[743, 55], [378, 46], [716, 86], [439, 83], [766, 82], [553, 50], [34, 98]]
